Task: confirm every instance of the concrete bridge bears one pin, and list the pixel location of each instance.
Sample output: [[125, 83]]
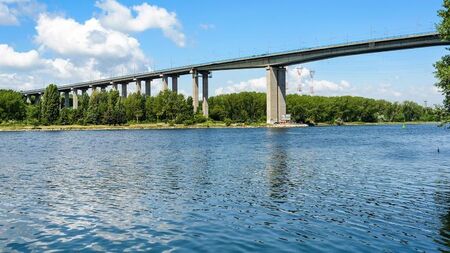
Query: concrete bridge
[[274, 63]]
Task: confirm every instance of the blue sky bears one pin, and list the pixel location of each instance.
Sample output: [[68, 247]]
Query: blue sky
[[69, 41]]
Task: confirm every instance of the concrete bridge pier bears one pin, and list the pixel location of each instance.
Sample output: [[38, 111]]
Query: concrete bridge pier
[[276, 94], [103, 88], [83, 91], [138, 86], [124, 90], [165, 82], [195, 91], [66, 99], [74, 98], [148, 87], [28, 97], [175, 84], [37, 98], [205, 107], [114, 86]]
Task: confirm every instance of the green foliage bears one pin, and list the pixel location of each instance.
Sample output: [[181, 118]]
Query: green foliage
[[169, 105], [50, 105], [134, 106], [12, 106], [238, 107], [444, 26], [199, 118], [115, 114], [98, 107], [244, 108], [336, 110], [34, 113], [443, 66], [66, 116], [228, 122], [443, 76]]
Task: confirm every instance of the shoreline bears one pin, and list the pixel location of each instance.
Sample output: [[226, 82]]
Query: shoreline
[[163, 126]]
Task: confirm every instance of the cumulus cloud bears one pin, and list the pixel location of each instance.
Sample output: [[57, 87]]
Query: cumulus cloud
[[72, 51], [257, 84], [139, 18], [89, 45], [30, 67], [12, 10], [7, 16], [68, 37], [21, 60]]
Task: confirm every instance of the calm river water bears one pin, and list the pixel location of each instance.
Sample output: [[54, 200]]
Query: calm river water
[[361, 189]]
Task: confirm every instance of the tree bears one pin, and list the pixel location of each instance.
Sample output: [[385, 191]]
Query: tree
[[12, 106], [115, 114], [134, 106], [98, 105], [170, 106], [443, 66], [50, 105]]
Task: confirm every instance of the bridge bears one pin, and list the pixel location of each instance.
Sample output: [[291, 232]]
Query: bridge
[[274, 63]]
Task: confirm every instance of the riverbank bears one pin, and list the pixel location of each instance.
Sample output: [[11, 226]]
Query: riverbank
[[155, 126]]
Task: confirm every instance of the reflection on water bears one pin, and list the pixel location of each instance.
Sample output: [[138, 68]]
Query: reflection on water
[[277, 167], [336, 189], [443, 205]]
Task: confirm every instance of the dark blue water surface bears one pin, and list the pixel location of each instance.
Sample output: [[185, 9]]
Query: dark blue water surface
[[361, 189]]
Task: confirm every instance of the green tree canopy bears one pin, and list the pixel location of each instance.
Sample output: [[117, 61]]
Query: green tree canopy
[[50, 105], [12, 106], [443, 66]]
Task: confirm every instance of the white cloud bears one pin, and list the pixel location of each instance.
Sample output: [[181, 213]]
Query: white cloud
[[12, 59], [17, 65], [121, 18], [12, 10], [89, 45], [257, 84], [7, 16], [68, 37]]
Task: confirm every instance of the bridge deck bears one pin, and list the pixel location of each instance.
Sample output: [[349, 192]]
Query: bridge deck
[[275, 59]]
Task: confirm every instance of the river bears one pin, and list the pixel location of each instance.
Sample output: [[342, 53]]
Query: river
[[329, 189]]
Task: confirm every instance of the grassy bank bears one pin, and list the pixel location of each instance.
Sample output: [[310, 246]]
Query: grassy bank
[[24, 127]]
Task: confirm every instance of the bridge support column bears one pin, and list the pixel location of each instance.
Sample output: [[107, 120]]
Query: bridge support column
[[37, 99], [66, 99], [205, 107], [28, 99], [175, 84], [138, 86], [114, 86], [103, 88], [276, 94], [165, 83], [148, 87], [83, 91], [75, 98], [195, 91], [124, 90]]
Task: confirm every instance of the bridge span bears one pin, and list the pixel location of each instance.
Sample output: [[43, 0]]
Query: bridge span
[[274, 63]]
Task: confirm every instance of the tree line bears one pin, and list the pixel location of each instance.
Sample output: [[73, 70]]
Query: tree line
[[108, 108], [251, 107]]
